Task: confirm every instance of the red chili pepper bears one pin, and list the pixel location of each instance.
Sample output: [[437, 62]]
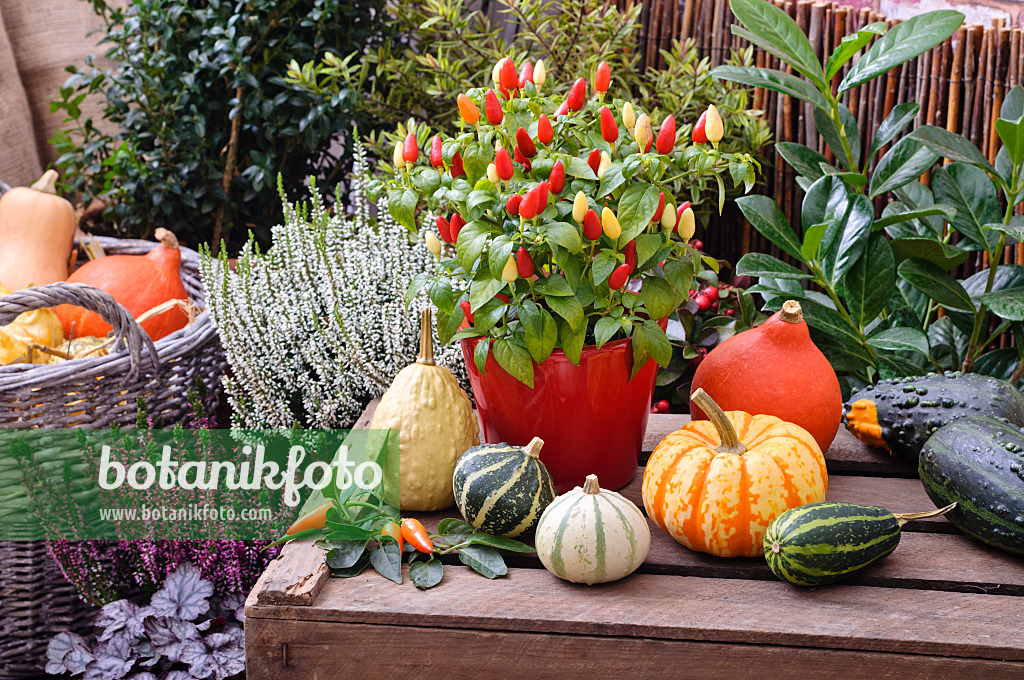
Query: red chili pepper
[[661, 207], [513, 203], [619, 277], [503, 164], [502, 297], [524, 263], [542, 189], [525, 75], [609, 128], [444, 228], [410, 150], [509, 78], [562, 109], [577, 95], [603, 77], [436, 159], [522, 160], [592, 229], [505, 94], [647, 146], [699, 136], [416, 535], [526, 144], [594, 160], [457, 169], [467, 309], [492, 108], [667, 135], [528, 208], [394, 531], [457, 224], [630, 252], [544, 132], [556, 180]]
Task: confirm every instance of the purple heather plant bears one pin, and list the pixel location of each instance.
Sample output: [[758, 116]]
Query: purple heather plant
[[180, 635]]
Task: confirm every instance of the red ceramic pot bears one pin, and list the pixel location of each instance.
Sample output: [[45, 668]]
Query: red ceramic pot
[[592, 417]]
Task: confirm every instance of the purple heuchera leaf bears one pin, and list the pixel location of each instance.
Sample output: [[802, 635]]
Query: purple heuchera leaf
[[67, 653], [145, 675], [168, 635], [121, 618], [185, 594], [233, 604], [219, 655], [114, 660], [178, 675]]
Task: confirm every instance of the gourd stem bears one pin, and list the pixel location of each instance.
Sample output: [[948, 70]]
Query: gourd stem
[[904, 517], [426, 339], [726, 432], [591, 486], [791, 312], [47, 183], [166, 237], [533, 448]]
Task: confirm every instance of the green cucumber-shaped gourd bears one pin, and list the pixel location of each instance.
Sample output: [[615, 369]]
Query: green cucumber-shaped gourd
[[978, 463], [821, 543], [900, 414], [503, 489]]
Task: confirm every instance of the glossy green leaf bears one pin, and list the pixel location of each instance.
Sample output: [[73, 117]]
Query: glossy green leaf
[[515, 359], [899, 118], [768, 218], [611, 180], [539, 330], [564, 234], [870, 280], [935, 283], [1006, 304], [772, 29], [760, 264], [829, 321], [572, 341], [968, 189], [944, 255], [553, 285], [851, 45], [483, 560], [569, 308], [999, 363], [903, 42], [604, 329], [658, 297], [940, 209], [812, 242], [649, 342], [830, 133], [387, 560], [1010, 125], [903, 163], [845, 239], [771, 79], [804, 159], [952, 146], [637, 206], [402, 206], [426, 574], [901, 340]]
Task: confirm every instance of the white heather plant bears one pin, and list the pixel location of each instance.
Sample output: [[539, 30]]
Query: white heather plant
[[318, 325]]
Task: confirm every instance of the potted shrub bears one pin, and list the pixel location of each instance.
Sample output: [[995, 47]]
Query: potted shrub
[[560, 252]]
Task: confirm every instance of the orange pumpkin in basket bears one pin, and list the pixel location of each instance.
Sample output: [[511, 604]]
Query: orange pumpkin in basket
[[716, 485], [139, 282]]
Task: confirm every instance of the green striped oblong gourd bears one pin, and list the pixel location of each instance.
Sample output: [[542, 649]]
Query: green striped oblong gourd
[[503, 489], [821, 543], [592, 535]]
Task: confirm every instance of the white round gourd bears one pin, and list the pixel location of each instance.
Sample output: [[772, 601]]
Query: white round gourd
[[592, 535]]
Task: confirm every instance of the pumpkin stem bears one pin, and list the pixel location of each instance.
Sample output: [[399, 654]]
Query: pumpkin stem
[[166, 237], [904, 517], [726, 432], [533, 448], [591, 486], [426, 339], [47, 183], [791, 312]]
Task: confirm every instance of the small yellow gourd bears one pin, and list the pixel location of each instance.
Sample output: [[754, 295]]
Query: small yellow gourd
[[38, 327], [436, 424]]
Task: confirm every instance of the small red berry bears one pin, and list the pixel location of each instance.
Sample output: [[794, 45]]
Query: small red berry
[[711, 293], [714, 306], [703, 304], [730, 312], [662, 406], [697, 244]]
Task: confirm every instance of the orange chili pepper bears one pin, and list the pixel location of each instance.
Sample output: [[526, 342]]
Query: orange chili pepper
[[416, 535]]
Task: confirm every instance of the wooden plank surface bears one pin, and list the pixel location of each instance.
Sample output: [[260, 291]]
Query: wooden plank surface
[[738, 611], [302, 650]]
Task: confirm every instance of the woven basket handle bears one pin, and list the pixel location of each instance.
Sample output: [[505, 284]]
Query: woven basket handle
[[93, 299]]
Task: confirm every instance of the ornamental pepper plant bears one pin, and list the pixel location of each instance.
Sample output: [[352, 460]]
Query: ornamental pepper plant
[[552, 219]]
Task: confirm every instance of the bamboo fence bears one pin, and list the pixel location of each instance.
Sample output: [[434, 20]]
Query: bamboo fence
[[960, 86]]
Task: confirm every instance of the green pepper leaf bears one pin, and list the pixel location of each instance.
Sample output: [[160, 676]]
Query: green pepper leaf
[[515, 359], [483, 560], [426, 574], [387, 560], [604, 329], [499, 542], [343, 554], [658, 297], [402, 206]]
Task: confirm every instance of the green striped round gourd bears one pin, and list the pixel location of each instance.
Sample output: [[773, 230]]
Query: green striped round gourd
[[978, 463], [821, 543], [503, 489], [592, 535]]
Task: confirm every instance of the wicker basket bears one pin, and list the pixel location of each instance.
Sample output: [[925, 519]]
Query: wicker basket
[[36, 602]]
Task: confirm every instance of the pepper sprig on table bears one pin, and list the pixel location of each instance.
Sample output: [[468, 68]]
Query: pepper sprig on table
[[358, 533]]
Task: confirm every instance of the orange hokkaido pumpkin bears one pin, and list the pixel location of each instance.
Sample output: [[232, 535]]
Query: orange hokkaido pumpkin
[[716, 486], [774, 369], [139, 283], [37, 231]]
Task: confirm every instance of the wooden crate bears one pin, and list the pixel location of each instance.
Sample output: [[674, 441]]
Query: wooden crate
[[941, 606]]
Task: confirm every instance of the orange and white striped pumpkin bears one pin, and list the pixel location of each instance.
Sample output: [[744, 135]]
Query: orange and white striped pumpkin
[[716, 485]]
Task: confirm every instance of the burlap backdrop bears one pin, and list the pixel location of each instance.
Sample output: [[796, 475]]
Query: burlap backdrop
[[38, 40]]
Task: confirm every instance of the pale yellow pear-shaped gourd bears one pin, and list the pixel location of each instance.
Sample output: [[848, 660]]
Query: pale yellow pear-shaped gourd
[[435, 423]]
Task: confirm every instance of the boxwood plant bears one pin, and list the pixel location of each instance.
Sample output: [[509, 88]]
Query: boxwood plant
[[880, 281], [578, 241]]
